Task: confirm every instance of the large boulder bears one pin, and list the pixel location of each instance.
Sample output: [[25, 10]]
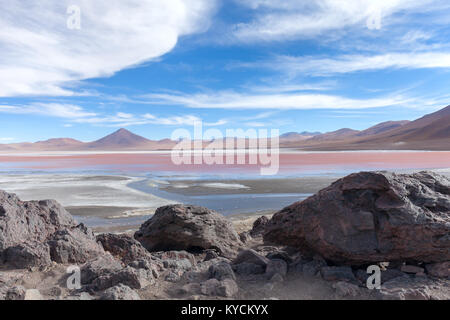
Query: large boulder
[[124, 247], [179, 227], [35, 233], [371, 217]]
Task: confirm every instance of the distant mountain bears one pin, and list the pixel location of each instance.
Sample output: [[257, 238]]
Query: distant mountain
[[58, 143], [297, 136], [335, 135], [121, 139], [47, 145], [431, 132], [382, 127]]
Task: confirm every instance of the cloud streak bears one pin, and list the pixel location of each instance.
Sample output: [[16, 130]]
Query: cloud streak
[[276, 20], [296, 101], [357, 63], [41, 56]]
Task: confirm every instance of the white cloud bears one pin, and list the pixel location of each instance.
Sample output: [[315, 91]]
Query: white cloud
[[67, 111], [41, 56], [76, 114], [280, 19], [232, 100], [126, 120], [354, 63]]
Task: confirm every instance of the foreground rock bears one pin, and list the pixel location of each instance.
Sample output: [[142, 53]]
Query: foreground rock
[[179, 227], [120, 292], [35, 233], [420, 288], [124, 247], [369, 218]]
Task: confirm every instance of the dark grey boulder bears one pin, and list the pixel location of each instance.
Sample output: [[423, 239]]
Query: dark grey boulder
[[370, 217], [192, 228]]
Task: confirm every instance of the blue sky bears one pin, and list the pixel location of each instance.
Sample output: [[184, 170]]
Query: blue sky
[[156, 66]]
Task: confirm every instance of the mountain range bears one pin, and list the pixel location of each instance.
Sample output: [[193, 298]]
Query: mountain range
[[431, 132]]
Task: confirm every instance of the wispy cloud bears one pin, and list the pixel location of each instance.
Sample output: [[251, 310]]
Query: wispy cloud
[[41, 56], [355, 63], [281, 20], [126, 120], [67, 111], [73, 114], [299, 101]]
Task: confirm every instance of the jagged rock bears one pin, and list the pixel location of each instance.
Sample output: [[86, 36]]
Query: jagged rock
[[221, 271], [16, 293], [28, 227], [347, 290], [120, 292], [412, 269], [389, 274], [28, 255], [190, 288], [172, 277], [75, 245], [371, 217], [123, 247], [247, 269], [213, 287], [176, 255], [259, 226], [251, 256], [439, 270], [417, 288], [210, 255], [30, 221], [312, 268], [181, 265], [102, 266], [338, 274], [133, 278], [205, 265], [179, 227], [245, 236], [276, 267], [280, 255], [147, 265]]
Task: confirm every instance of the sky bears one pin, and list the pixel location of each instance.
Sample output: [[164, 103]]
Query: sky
[[83, 68]]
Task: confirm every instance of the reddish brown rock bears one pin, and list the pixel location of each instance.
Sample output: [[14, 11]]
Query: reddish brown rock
[[124, 247], [179, 227], [371, 217], [35, 233], [440, 270]]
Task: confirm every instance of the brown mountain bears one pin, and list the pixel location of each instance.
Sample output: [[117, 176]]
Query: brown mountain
[[382, 127], [121, 139], [47, 145], [431, 132]]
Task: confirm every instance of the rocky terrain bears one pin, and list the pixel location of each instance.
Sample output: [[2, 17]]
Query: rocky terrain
[[316, 249]]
